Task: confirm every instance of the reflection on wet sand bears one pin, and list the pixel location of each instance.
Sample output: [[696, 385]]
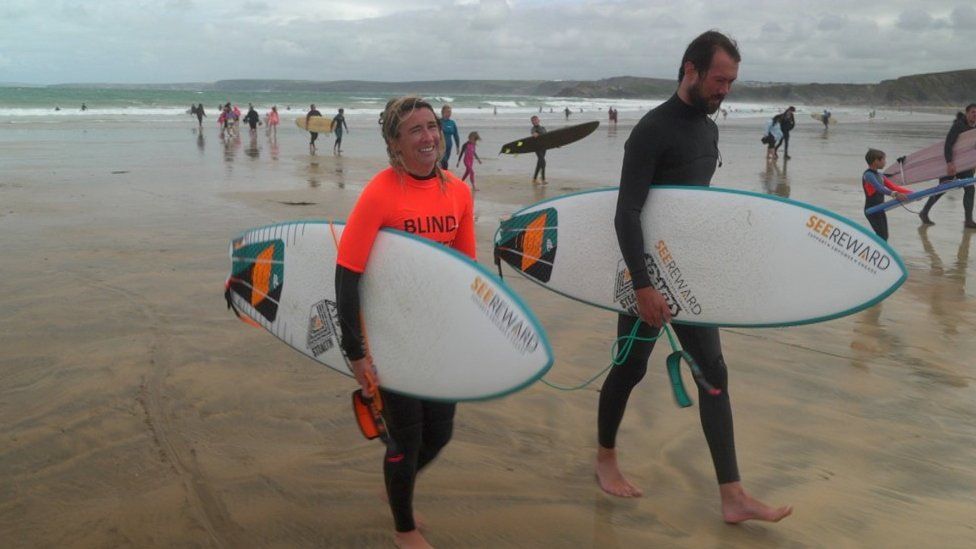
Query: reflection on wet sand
[[252, 150], [775, 179], [871, 338], [946, 288], [340, 172], [231, 144]]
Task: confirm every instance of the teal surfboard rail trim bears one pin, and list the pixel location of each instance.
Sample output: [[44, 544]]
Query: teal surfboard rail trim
[[529, 314], [860, 307]]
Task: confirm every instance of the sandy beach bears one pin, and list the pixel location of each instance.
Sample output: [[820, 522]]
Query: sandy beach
[[137, 411]]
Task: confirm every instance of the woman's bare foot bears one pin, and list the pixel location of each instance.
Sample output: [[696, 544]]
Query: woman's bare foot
[[610, 478], [411, 540], [738, 506]]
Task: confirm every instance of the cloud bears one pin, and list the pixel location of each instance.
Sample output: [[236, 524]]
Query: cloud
[[289, 48], [491, 14], [827, 41]]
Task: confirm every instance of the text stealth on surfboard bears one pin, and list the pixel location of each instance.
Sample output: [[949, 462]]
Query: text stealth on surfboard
[[848, 244]]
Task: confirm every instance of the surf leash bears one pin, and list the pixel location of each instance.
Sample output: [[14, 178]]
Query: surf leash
[[622, 348], [369, 412], [674, 371]]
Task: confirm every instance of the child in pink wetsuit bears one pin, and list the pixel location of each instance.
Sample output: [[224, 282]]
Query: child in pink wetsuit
[[469, 155]]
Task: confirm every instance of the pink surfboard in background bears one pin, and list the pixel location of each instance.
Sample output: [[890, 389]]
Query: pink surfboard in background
[[929, 163]]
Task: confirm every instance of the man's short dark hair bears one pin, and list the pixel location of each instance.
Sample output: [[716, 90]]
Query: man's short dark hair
[[702, 49]]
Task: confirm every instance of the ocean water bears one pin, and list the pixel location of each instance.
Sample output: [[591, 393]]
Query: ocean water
[[26, 104]]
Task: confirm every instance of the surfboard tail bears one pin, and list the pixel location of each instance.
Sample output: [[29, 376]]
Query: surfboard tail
[[528, 243]]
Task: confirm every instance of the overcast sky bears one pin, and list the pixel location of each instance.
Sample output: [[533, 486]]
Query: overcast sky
[[141, 41]]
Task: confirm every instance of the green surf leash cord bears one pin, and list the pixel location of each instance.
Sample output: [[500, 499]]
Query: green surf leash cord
[[622, 348]]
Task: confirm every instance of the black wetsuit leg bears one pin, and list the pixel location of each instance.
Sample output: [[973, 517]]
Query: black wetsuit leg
[[315, 136], [968, 194], [420, 429], [715, 412], [540, 165], [935, 198], [878, 221]]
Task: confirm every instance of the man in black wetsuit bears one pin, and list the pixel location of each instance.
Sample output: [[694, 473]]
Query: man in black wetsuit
[[964, 121], [675, 144], [540, 156]]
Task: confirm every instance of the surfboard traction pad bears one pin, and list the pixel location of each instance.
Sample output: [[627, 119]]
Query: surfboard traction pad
[[529, 241], [258, 275]]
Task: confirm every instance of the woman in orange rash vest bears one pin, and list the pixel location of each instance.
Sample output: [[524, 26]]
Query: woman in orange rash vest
[[412, 195]]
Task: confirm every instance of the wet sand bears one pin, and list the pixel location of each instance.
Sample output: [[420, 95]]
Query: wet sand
[[137, 411]]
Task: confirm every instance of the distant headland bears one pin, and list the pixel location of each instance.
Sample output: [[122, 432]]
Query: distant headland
[[942, 89]]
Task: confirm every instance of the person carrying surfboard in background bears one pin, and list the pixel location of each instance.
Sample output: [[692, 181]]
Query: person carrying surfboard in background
[[451, 136], [676, 144], [416, 196], [964, 121], [774, 133], [338, 123], [540, 156], [876, 186], [312, 111], [786, 123]]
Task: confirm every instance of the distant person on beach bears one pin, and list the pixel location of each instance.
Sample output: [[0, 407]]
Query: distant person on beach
[[198, 111], [876, 186], [675, 143], [84, 107], [227, 121], [252, 118], [312, 111], [826, 119], [787, 122], [566, 112], [412, 187], [964, 121], [540, 156], [451, 136], [338, 123], [772, 136], [469, 154], [725, 114], [273, 120]]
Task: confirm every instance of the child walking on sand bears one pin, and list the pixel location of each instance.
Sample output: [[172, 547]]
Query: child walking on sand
[[876, 186], [469, 155]]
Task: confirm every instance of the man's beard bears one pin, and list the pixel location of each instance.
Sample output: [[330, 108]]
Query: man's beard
[[700, 102]]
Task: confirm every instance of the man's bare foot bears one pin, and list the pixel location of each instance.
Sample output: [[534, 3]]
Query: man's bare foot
[[738, 506], [411, 540], [610, 478]]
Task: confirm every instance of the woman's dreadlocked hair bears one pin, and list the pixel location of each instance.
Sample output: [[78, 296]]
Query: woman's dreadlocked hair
[[397, 110]]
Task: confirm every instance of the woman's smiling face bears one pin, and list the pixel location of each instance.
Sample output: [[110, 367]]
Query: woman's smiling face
[[417, 142]]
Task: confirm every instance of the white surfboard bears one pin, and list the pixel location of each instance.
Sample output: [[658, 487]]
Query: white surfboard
[[720, 257], [438, 325]]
